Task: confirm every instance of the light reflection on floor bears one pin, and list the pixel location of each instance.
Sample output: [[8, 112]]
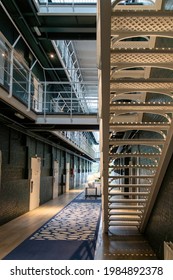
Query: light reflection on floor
[[123, 243]]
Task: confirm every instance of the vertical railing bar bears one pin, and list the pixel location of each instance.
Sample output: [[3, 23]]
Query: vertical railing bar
[[71, 105], [44, 99], [29, 85], [12, 66]]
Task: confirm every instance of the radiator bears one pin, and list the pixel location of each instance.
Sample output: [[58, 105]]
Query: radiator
[[168, 250]]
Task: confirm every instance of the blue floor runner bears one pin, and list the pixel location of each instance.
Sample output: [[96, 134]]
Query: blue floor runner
[[69, 235]]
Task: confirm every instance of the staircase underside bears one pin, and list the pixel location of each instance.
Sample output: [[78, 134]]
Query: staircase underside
[[136, 70]]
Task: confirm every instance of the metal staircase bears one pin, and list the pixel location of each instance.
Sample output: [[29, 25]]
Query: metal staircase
[[138, 118]]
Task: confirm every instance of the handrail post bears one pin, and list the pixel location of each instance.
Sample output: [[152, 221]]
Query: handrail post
[[44, 101], [71, 105], [12, 67], [29, 86]]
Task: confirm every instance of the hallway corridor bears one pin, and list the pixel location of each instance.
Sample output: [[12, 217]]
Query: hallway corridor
[[124, 244]]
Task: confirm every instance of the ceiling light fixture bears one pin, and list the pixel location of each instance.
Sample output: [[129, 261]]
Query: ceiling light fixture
[[19, 116], [37, 30]]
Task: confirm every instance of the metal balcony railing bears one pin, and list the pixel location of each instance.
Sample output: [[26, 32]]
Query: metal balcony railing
[[81, 140], [43, 97], [67, 55], [70, 6]]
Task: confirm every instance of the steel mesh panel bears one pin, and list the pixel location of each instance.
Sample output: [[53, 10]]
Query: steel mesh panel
[[130, 45], [131, 85], [141, 58], [142, 24]]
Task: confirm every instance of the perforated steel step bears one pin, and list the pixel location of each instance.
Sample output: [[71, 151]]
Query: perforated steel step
[[112, 193], [124, 223], [124, 218], [128, 200]]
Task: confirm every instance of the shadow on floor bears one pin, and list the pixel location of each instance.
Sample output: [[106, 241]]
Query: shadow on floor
[[123, 243]]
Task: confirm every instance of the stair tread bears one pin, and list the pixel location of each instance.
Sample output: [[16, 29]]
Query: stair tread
[[126, 207], [131, 176], [129, 200], [124, 218], [129, 185], [128, 193], [124, 223], [132, 213]]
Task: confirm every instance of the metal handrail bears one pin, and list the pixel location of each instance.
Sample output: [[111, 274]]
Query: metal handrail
[[23, 78]]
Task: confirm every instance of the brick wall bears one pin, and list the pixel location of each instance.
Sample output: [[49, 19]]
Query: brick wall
[[17, 150], [46, 189], [160, 225], [14, 200]]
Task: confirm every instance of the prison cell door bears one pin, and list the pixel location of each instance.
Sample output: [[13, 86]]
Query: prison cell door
[[35, 183], [67, 176], [55, 178]]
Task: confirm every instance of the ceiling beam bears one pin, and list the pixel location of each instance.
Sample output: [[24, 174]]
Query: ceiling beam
[[76, 33], [69, 120], [77, 29], [62, 127]]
